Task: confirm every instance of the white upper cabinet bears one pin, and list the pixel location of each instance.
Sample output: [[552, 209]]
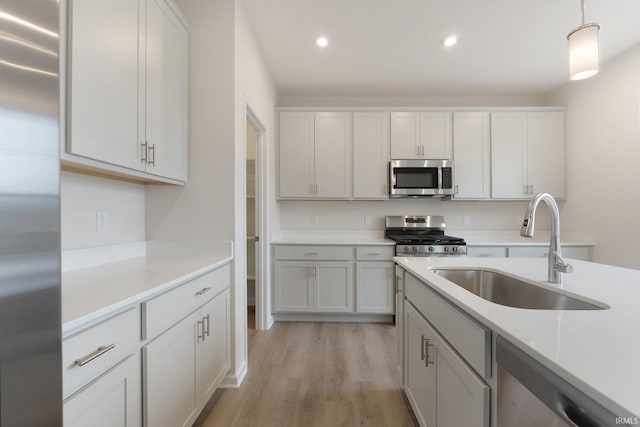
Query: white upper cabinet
[[370, 155], [127, 86], [527, 154], [103, 85], [545, 153], [471, 155], [296, 154], [421, 135], [333, 155], [166, 92], [315, 155]]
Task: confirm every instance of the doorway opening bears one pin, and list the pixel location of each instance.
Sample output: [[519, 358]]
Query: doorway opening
[[252, 214]]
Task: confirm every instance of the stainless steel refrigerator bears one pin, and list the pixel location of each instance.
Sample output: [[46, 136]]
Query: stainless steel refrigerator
[[30, 330]]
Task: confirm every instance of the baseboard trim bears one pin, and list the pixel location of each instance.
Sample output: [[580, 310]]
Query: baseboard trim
[[234, 380], [342, 318]]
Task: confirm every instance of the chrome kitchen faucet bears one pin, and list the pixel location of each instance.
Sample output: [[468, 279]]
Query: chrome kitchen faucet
[[557, 265]]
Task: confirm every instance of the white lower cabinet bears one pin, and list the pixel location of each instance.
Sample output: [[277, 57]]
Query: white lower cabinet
[[442, 388], [112, 400], [420, 375], [324, 286], [320, 279], [576, 252], [183, 365], [374, 287], [440, 383]]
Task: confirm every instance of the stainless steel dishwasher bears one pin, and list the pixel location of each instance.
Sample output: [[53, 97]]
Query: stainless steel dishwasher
[[529, 394]]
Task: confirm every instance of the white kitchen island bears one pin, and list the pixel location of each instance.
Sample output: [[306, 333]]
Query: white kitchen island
[[595, 350]]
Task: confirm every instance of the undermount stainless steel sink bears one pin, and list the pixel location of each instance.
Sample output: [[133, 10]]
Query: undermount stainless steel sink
[[510, 291]]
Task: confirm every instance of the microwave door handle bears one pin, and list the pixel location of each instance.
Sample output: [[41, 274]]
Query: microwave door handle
[[439, 178]]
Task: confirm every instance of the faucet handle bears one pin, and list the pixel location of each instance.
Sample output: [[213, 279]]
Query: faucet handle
[[560, 264]]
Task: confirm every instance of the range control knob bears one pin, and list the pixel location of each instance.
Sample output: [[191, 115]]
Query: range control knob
[[454, 249], [430, 248], [446, 248], [415, 249]]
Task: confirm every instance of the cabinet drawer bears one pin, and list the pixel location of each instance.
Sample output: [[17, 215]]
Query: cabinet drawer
[[375, 253], [159, 313], [487, 251], [326, 253], [468, 337], [98, 349]]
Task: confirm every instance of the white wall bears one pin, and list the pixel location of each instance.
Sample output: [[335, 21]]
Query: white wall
[[204, 208], [603, 158], [225, 69], [82, 196]]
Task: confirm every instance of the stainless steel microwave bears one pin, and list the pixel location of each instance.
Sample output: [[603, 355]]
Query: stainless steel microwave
[[420, 178]]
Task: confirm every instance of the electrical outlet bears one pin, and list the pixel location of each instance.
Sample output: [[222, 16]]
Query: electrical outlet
[[102, 221], [367, 220], [466, 220], [315, 220]]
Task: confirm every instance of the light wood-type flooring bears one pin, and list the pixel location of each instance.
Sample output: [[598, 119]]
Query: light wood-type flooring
[[316, 374]]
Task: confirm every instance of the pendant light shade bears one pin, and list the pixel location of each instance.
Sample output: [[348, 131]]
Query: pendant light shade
[[583, 50]]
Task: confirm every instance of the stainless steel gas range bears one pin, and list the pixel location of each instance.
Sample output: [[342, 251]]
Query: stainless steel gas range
[[422, 236]]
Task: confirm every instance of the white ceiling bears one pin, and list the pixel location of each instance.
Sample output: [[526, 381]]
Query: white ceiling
[[392, 47]]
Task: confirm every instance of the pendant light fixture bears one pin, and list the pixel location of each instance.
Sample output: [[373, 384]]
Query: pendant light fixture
[[583, 50]]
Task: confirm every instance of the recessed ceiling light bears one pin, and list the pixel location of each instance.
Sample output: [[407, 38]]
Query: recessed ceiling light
[[450, 40], [322, 41]]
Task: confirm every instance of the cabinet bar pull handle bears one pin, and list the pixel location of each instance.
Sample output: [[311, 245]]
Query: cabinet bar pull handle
[[205, 329], [152, 150], [456, 188], [198, 324], [422, 347], [143, 156], [311, 253], [373, 254], [203, 291], [99, 352], [531, 189], [427, 361]]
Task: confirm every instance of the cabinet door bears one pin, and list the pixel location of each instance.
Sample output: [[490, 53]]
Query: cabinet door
[[462, 397], [399, 297], [334, 287], [374, 287], [293, 286], [113, 400], [545, 153], [170, 376], [435, 135], [296, 154], [212, 355], [471, 154], [370, 155], [405, 136], [420, 376], [103, 88], [166, 88], [508, 155], [332, 149]]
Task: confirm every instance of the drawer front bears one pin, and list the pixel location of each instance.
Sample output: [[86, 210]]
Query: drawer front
[[95, 350], [323, 253], [487, 251], [159, 313], [468, 337], [374, 253]]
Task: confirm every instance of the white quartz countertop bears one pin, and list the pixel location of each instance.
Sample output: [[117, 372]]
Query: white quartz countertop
[[596, 350], [513, 238], [473, 238], [330, 237], [103, 288]]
